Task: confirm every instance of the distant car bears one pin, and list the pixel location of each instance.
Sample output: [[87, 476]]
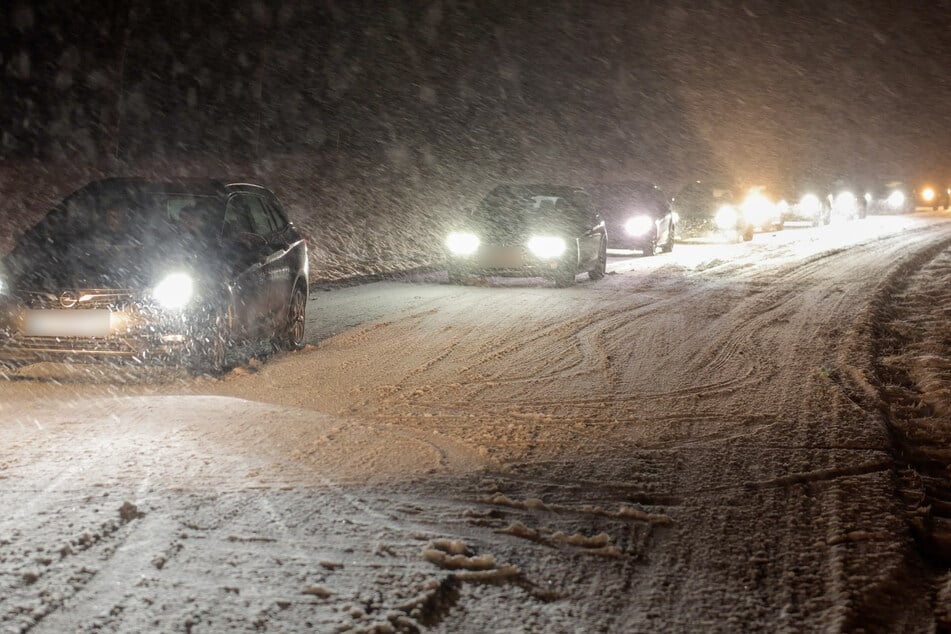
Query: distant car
[[637, 216], [760, 212], [891, 197], [709, 209], [846, 200], [934, 196], [529, 231], [152, 270], [804, 203]]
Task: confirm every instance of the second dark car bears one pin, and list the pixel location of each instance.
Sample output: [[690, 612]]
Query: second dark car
[[545, 231], [144, 270], [637, 216]]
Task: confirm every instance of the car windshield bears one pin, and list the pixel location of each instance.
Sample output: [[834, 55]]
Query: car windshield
[[701, 196], [128, 216], [526, 204], [622, 199]]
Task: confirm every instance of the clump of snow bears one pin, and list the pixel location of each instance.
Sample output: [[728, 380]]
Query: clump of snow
[[453, 555]]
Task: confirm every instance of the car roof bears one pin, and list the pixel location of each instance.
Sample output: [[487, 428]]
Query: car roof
[[201, 186]]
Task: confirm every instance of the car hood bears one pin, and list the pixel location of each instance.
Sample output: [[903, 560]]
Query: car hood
[[87, 264]]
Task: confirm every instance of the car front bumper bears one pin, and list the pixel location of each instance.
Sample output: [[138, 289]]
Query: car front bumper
[[133, 331]]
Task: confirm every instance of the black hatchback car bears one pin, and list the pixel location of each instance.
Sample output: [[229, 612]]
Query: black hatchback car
[[530, 231], [145, 270]]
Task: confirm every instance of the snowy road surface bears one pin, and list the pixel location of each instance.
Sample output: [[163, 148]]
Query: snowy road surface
[[701, 441]]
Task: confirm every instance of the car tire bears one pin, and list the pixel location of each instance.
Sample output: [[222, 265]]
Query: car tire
[[292, 336], [747, 234], [601, 267], [669, 245], [211, 344]]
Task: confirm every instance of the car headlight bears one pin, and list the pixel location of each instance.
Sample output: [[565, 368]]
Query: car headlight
[[845, 201], [927, 194], [462, 243], [757, 209], [896, 199], [726, 217], [638, 225], [175, 291], [810, 205], [547, 246]]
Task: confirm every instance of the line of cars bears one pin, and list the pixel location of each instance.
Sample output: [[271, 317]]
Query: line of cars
[[149, 271], [558, 232]]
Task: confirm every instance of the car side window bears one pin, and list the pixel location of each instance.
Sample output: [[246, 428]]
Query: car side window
[[278, 217], [260, 218], [237, 217]]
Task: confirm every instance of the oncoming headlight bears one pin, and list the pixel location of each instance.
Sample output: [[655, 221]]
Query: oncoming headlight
[[462, 243], [927, 194], [175, 291], [638, 225], [726, 217], [896, 199], [547, 246], [810, 205]]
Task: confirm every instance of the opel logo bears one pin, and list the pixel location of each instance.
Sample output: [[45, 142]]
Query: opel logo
[[68, 299]]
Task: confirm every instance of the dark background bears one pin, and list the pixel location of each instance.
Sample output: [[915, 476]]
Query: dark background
[[454, 94]]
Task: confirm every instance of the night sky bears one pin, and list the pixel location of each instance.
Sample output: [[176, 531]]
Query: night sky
[[759, 91]]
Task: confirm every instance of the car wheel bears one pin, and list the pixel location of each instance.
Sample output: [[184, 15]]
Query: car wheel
[[747, 234], [669, 245], [211, 344], [293, 336], [599, 269]]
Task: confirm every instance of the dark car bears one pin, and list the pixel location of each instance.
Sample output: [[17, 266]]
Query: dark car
[[847, 199], [891, 197], [934, 195], [636, 214], [705, 209], [143, 270], [529, 231], [805, 202]]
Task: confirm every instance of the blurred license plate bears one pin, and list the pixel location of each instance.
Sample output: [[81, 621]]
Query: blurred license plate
[[504, 258], [66, 323]]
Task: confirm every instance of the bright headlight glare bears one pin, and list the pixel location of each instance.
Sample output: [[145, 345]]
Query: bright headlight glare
[[896, 199], [175, 291], [462, 243], [810, 205], [638, 225], [928, 194], [757, 208], [845, 201], [547, 246], [726, 217]]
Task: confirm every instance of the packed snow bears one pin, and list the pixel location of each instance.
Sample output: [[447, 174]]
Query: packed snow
[[727, 437]]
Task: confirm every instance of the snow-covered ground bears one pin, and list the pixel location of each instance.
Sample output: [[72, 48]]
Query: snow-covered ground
[[714, 439]]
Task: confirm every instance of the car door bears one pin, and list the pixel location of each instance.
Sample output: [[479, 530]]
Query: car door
[[590, 241], [276, 267], [249, 252]]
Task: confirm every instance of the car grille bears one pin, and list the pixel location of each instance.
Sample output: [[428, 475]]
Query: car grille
[[79, 298]]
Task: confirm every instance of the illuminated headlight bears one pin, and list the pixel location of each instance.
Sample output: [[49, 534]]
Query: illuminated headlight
[[896, 199], [726, 217], [175, 291], [845, 201], [638, 225], [757, 209], [462, 243], [810, 205], [547, 246], [927, 194]]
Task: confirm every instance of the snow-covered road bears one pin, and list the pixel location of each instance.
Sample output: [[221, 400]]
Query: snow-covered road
[[698, 441]]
